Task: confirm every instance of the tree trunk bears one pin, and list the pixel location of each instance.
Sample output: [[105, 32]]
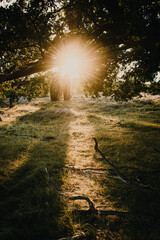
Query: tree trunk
[[66, 92], [67, 89], [54, 91], [11, 96], [11, 100]]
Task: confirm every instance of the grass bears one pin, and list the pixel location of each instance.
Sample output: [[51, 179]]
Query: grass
[[54, 135], [30, 207], [129, 135]]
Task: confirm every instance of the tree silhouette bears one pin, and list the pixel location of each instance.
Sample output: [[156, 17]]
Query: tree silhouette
[[128, 31]]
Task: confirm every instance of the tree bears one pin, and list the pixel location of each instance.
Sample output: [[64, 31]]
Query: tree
[[28, 87], [27, 29], [55, 87], [128, 30]]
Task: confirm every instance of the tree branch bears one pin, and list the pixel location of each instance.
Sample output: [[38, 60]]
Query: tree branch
[[120, 176], [90, 203], [41, 65], [91, 209]]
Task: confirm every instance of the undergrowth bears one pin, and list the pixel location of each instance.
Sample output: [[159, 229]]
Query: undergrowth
[[128, 134]]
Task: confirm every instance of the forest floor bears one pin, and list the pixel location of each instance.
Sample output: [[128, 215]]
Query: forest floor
[[59, 136]]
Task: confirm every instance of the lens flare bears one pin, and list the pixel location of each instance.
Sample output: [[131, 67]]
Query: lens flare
[[77, 60]]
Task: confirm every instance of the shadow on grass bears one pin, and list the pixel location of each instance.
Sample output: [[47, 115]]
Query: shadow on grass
[[29, 205], [141, 126], [134, 151]]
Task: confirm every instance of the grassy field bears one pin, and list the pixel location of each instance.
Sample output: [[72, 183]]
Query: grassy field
[[58, 136]]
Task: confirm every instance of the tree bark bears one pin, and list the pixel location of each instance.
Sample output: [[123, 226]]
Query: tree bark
[[54, 91]]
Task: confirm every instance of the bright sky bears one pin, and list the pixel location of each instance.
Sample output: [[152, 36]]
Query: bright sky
[[5, 3]]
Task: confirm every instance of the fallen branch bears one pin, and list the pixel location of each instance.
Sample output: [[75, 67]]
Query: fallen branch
[[156, 149], [91, 209], [98, 169], [90, 203], [23, 135], [120, 176], [86, 169]]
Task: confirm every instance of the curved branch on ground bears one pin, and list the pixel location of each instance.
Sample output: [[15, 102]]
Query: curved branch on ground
[[92, 209], [120, 176], [90, 203]]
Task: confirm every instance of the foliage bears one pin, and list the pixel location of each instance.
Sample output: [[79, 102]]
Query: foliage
[[130, 31], [127, 30], [154, 88], [28, 87], [26, 31], [36, 86]]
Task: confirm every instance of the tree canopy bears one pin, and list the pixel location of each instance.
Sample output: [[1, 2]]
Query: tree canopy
[[128, 31]]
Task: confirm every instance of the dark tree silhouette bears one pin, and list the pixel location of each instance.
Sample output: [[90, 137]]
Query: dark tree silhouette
[[129, 32]]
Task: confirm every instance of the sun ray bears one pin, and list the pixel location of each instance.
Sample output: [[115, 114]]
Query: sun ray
[[77, 60]]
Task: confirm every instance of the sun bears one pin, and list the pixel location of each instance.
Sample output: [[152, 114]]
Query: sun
[[76, 60], [71, 60]]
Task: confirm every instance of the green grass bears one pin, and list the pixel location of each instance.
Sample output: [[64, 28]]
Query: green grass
[[129, 135], [29, 205]]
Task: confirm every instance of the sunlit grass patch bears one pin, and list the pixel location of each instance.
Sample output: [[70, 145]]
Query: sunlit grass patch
[[30, 207], [128, 134], [60, 134]]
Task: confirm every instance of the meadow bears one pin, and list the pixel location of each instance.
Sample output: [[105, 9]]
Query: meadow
[[59, 136]]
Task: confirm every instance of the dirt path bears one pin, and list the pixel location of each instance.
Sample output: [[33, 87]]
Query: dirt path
[[81, 155]]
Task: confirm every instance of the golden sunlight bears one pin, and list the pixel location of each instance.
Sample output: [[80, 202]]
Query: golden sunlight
[[76, 60], [71, 60]]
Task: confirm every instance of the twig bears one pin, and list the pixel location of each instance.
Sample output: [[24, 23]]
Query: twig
[[157, 150], [116, 213], [99, 169], [23, 135], [121, 177], [92, 209], [90, 203], [54, 184], [86, 169]]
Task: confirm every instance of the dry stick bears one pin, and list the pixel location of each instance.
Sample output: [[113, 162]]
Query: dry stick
[[23, 135], [98, 169], [120, 176], [91, 205], [156, 149], [86, 169]]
